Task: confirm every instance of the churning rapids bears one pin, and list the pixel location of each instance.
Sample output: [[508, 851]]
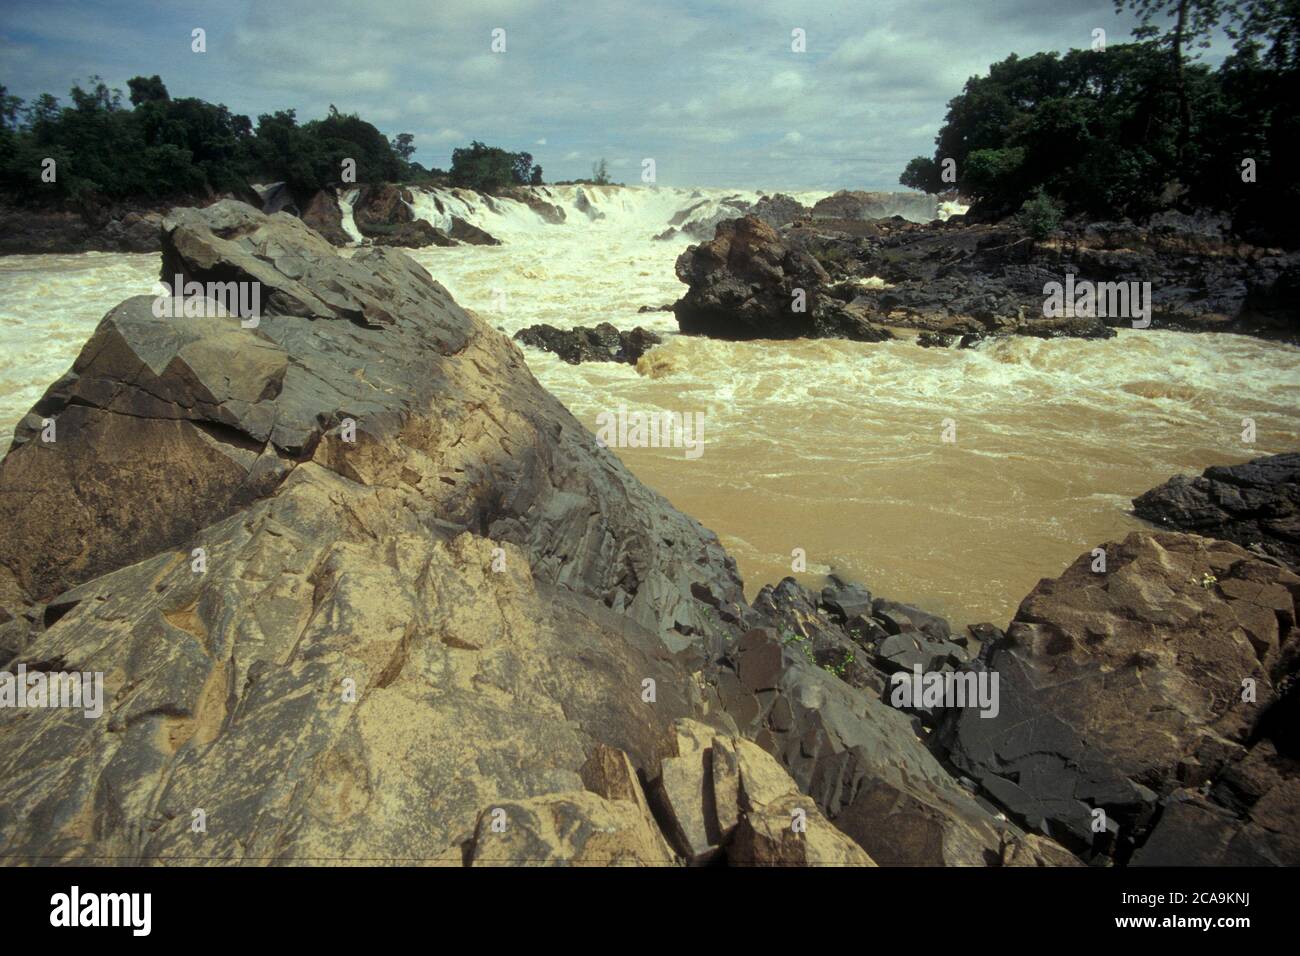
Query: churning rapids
[[829, 446]]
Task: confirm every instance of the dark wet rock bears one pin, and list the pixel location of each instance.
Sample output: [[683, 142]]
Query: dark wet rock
[[1119, 688], [746, 284], [546, 211], [470, 234], [977, 279], [899, 617], [846, 599], [602, 343], [408, 235], [380, 205], [1255, 505], [324, 215], [31, 231], [934, 340]]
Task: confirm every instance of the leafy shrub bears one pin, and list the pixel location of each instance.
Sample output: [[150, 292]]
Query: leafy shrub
[[1040, 215]]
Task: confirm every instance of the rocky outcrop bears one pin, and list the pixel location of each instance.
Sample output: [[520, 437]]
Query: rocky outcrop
[[27, 231], [1165, 671], [349, 573], [751, 280], [382, 204], [214, 432], [779, 210], [325, 217], [700, 220], [720, 795], [980, 279], [746, 284], [855, 204], [1255, 505], [717, 799], [603, 343], [547, 212], [470, 234], [857, 757]]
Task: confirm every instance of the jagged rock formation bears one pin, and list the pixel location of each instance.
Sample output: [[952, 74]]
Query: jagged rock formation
[[746, 284], [974, 279], [490, 585], [743, 284], [856, 204], [360, 590], [470, 234], [1130, 694], [779, 210], [325, 217], [383, 214], [1255, 505], [602, 343], [717, 799]]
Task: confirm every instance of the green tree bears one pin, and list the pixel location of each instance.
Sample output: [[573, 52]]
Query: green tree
[[147, 89], [404, 146], [489, 168], [1193, 22]]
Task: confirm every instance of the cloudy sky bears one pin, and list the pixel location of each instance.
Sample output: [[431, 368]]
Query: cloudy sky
[[711, 90]]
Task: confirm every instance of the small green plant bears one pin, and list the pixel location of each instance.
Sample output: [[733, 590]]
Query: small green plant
[[842, 667], [791, 639], [1040, 215]]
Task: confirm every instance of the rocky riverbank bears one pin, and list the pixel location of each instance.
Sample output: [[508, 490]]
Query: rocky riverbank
[[360, 588], [961, 282]]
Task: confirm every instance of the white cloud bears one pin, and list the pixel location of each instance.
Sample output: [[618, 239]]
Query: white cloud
[[675, 80]]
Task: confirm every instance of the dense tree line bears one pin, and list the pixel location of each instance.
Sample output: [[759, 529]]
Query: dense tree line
[[157, 147], [488, 168], [1137, 127]]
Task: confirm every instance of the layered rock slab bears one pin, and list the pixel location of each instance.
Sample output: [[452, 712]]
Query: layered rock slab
[[1121, 687], [208, 415]]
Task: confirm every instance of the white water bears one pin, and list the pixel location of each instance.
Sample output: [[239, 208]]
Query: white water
[[832, 447]]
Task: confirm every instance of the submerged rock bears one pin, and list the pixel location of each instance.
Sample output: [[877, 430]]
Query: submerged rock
[[602, 343]]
